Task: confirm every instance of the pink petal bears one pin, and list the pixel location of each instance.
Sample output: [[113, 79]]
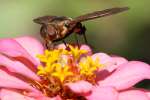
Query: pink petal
[[103, 93], [111, 63], [8, 81], [40, 96], [17, 67], [103, 58], [61, 46], [80, 87], [108, 65], [11, 95], [133, 95], [12, 48], [127, 75], [6, 94], [147, 92], [119, 60], [31, 45], [86, 47], [55, 98], [106, 60], [47, 98]]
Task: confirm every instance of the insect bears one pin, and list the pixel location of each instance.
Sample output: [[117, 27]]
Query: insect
[[57, 28]]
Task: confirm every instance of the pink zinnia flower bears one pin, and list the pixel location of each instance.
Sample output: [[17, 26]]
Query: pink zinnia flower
[[61, 74]]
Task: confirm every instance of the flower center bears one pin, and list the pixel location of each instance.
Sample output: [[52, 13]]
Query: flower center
[[60, 66]]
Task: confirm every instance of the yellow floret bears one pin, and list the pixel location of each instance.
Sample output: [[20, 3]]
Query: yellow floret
[[61, 64], [62, 73], [88, 66], [76, 52]]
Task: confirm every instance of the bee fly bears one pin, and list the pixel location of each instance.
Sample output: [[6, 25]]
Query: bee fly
[[56, 28]]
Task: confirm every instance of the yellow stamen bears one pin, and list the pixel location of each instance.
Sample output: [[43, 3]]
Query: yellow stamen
[[60, 66], [88, 65], [62, 73], [76, 52]]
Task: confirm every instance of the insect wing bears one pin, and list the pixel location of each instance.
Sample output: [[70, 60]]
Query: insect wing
[[44, 19], [98, 14]]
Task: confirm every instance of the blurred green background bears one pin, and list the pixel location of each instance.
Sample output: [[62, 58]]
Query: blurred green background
[[126, 34]]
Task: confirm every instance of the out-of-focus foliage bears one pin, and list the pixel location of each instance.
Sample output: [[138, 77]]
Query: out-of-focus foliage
[[126, 34]]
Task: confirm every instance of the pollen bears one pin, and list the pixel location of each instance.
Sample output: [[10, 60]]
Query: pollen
[[61, 66]]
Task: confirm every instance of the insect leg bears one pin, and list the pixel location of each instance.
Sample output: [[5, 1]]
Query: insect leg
[[84, 35], [85, 39], [65, 43], [76, 38]]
